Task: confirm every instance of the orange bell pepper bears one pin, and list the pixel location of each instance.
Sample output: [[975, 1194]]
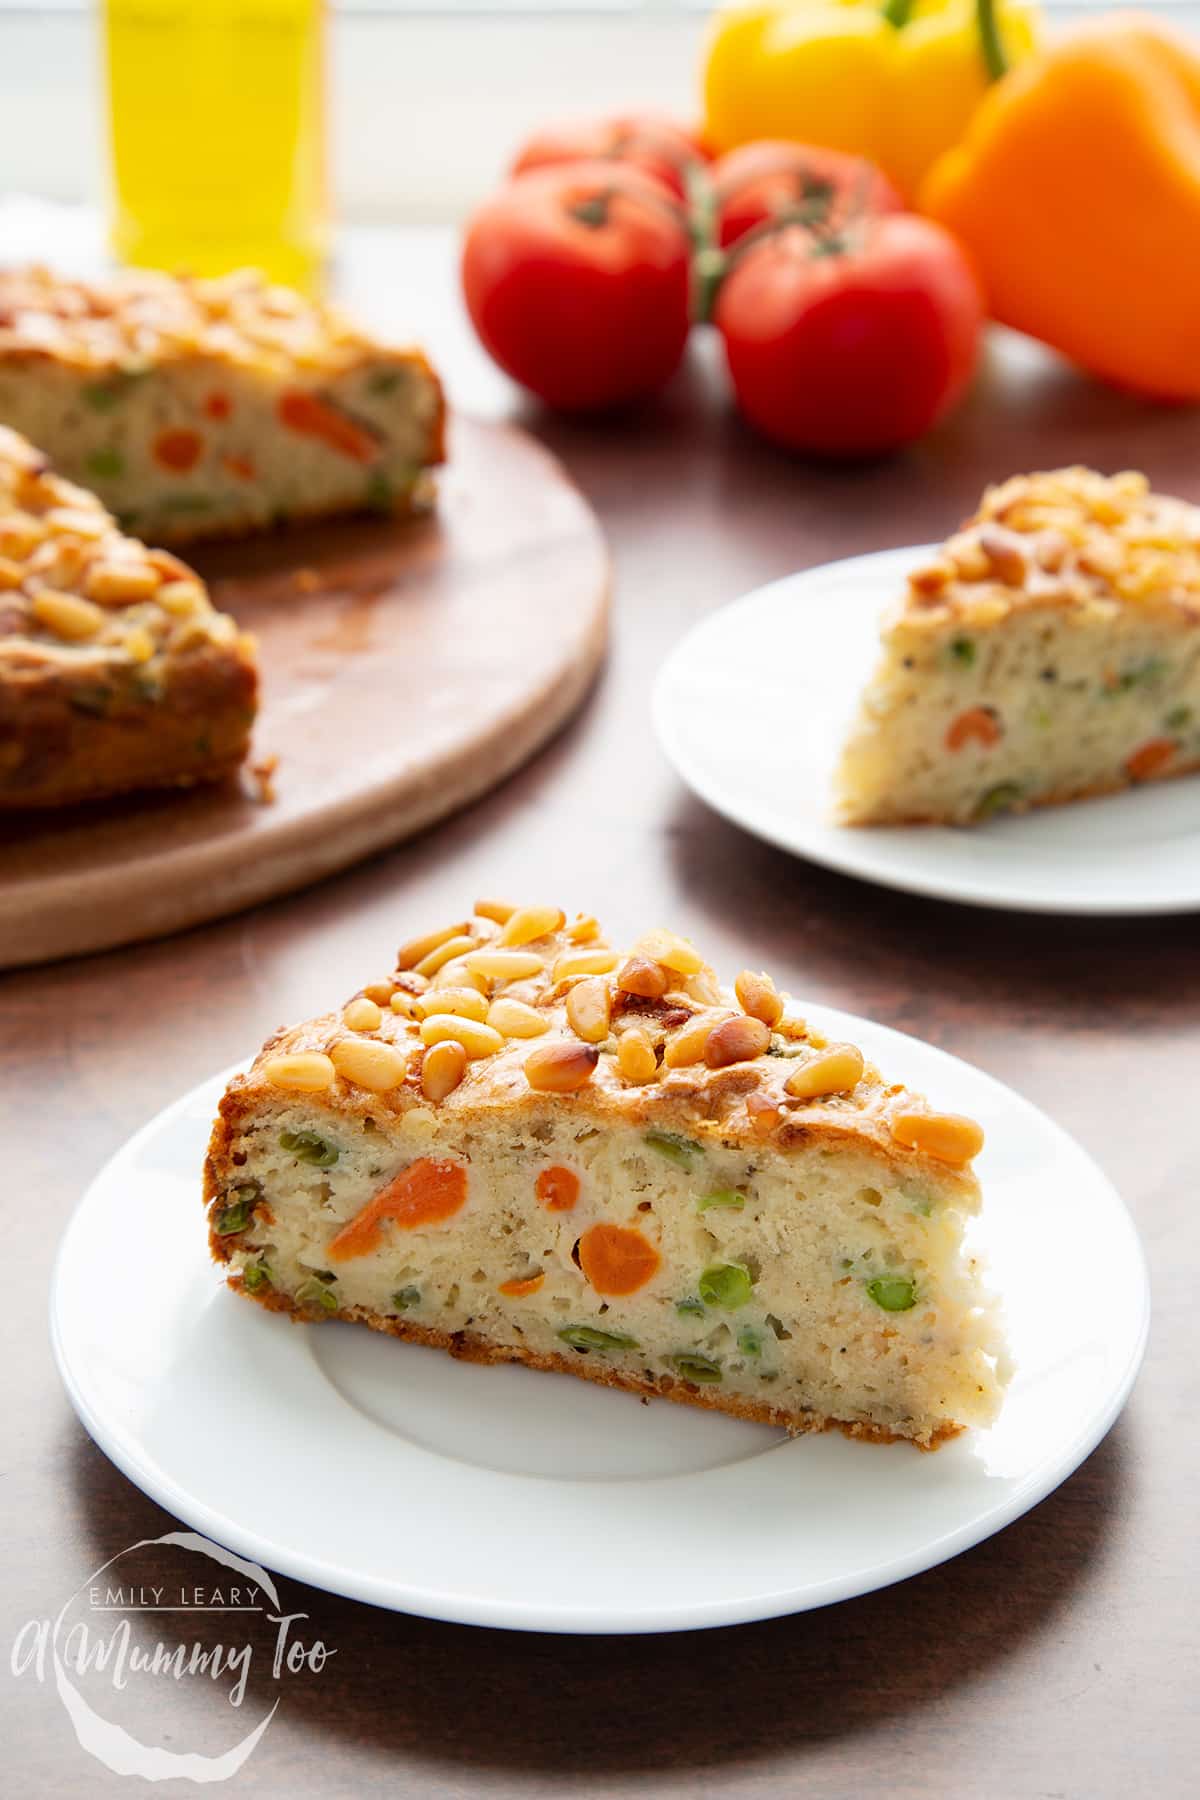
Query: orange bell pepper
[[1076, 193]]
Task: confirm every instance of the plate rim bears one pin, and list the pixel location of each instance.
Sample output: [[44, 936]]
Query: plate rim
[[347, 1582], [822, 852]]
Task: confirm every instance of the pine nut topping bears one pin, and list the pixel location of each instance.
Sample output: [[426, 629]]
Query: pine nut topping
[[505, 965], [476, 1039], [442, 1068], [66, 615], [737, 1040], [497, 910], [687, 1045], [304, 1071], [444, 953], [560, 1068], [362, 1015], [457, 974], [648, 980], [832, 1071], [410, 954], [369, 1063], [758, 997], [467, 1002], [949, 1137], [120, 584], [583, 929], [671, 951], [139, 644], [512, 1018], [11, 574], [380, 991], [585, 962], [181, 598], [635, 1056], [589, 1008], [402, 1003], [530, 922]]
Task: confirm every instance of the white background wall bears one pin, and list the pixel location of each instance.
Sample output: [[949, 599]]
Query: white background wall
[[425, 105]]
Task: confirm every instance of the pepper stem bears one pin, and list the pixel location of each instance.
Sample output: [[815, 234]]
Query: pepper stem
[[898, 12], [991, 43]]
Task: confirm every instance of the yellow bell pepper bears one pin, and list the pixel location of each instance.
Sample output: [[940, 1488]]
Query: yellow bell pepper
[[895, 82]]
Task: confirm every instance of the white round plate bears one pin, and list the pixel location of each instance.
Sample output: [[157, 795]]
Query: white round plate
[[754, 705], [500, 1496]]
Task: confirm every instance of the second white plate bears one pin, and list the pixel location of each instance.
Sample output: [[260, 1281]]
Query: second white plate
[[498, 1496], [752, 709]]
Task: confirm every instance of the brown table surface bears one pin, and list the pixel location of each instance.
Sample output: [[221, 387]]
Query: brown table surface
[[1059, 1658]]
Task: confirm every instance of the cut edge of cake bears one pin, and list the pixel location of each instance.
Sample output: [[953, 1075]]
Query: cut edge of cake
[[607, 1165], [1048, 652]]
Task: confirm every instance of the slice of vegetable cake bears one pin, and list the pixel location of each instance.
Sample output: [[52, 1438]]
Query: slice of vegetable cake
[[1050, 651], [115, 672], [528, 1146], [195, 408]]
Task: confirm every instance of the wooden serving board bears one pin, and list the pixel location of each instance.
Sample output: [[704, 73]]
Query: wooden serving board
[[407, 667]]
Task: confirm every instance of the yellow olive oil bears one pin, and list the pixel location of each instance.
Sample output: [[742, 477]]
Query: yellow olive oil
[[217, 124]]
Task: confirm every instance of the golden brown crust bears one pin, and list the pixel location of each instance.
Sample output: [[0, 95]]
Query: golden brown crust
[[468, 1348]]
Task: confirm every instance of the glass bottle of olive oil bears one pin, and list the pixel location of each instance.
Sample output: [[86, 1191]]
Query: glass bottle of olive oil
[[218, 135]]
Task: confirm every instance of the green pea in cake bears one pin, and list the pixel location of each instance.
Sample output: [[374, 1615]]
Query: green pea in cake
[[194, 408], [526, 1145], [1049, 652]]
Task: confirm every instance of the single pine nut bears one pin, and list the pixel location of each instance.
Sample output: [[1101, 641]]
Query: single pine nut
[[456, 974], [512, 1018], [505, 965], [794, 1029], [635, 1056], [362, 1014], [476, 1039], [832, 1071], [584, 962], [530, 922], [417, 949], [78, 521], [648, 980], [1005, 555], [589, 1008], [437, 959], [402, 1003], [763, 1113], [181, 598], [369, 1063], [583, 929], [139, 644], [306, 1071], [20, 533], [949, 1137], [442, 1068], [561, 1067], [380, 991], [120, 584], [758, 997], [498, 910], [737, 1040], [467, 1001], [12, 574], [686, 1046], [66, 615], [664, 947]]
